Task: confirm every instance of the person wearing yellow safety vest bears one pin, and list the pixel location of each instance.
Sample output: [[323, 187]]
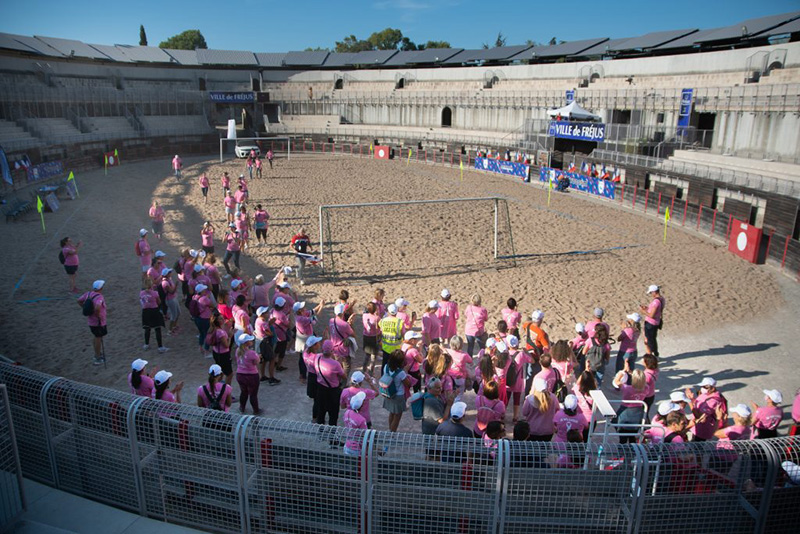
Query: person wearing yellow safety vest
[[392, 329]]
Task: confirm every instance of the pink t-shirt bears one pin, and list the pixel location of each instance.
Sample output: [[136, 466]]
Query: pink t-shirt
[[204, 306], [70, 256], [261, 217], [628, 338], [260, 295], [169, 288], [768, 417], [476, 319], [579, 341], [460, 362], [144, 252], [629, 393], [148, 298], [304, 324], [167, 396], [239, 196], [591, 326], [349, 393], [226, 182], [370, 322], [487, 411], [541, 423], [564, 423], [707, 404], [233, 243], [328, 372], [340, 330], [241, 319], [564, 369], [220, 341], [548, 376], [157, 214], [520, 358], [406, 318], [287, 297], [431, 326], [796, 408], [247, 363], [203, 180], [98, 318], [145, 388], [207, 237], [216, 390], [650, 378], [213, 273], [738, 432], [353, 420], [154, 273], [511, 317], [281, 324], [448, 315], [380, 308], [413, 357], [585, 402], [656, 307], [177, 163], [262, 330], [230, 202]]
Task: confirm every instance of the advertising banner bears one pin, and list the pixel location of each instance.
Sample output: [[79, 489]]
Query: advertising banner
[[45, 170], [229, 97], [510, 168], [570, 96], [580, 182], [581, 131], [685, 112]]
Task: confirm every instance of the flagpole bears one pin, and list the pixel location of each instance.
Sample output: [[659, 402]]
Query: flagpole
[[40, 209], [105, 165], [461, 166], [549, 189], [409, 157], [666, 220], [74, 182]]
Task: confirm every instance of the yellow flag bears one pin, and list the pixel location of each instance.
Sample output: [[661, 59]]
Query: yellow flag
[[666, 220], [39, 205], [461, 166], [666, 215], [370, 148], [116, 156], [71, 176], [409, 157]]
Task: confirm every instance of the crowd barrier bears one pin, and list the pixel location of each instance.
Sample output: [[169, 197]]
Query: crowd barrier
[[12, 497], [237, 473]]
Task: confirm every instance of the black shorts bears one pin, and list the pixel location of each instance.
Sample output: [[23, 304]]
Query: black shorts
[[208, 250], [152, 318], [71, 269], [267, 354], [371, 345], [223, 359], [204, 190], [99, 331]]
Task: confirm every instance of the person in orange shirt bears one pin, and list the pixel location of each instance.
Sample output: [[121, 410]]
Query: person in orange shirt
[[536, 342]]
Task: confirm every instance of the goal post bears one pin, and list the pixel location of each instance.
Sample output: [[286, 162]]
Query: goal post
[[279, 145], [499, 213]]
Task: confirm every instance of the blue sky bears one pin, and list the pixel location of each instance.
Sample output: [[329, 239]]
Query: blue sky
[[279, 26]]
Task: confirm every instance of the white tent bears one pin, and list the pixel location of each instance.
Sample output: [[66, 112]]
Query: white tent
[[575, 112]]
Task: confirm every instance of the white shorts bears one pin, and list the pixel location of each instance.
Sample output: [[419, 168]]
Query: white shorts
[[229, 211], [145, 268]]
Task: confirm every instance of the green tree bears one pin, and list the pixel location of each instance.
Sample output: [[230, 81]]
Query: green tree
[[553, 41], [188, 40], [387, 39], [142, 36], [352, 44], [500, 41], [407, 44], [435, 44], [317, 49]]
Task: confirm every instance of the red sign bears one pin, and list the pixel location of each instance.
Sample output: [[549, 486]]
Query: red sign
[[745, 240], [111, 159], [381, 152]]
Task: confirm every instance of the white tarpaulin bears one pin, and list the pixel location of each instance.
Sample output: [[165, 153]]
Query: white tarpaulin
[[574, 111], [231, 128]]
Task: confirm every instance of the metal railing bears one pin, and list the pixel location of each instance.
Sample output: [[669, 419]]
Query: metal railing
[[233, 473], [12, 495]]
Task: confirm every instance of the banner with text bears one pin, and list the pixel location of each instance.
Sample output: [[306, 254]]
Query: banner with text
[[685, 113], [581, 131], [45, 170], [228, 97], [580, 182], [503, 167]]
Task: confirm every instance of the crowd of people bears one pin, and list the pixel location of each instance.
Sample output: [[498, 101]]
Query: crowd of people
[[427, 361]]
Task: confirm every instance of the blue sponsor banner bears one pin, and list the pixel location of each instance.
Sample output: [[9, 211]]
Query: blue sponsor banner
[[503, 167], [4, 168], [228, 97], [685, 112], [45, 170], [582, 131], [570, 96], [580, 182]]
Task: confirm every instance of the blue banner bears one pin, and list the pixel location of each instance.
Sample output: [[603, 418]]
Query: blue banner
[[570, 96], [685, 112], [582, 131], [502, 167], [228, 97], [580, 182], [45, 170], [6, 171]]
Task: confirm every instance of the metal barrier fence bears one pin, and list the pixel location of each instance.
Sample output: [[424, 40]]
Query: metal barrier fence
[[232, 473], [12, 496]]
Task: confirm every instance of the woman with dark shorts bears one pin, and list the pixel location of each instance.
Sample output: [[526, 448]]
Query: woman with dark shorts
[[151, 315], [219, 338], [69, 250]]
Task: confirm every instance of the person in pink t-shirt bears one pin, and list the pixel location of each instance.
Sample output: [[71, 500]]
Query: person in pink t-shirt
[[170, 290], [151, 315], [598, 320], [140, 382], [577, 343], [448, 315], [243, 225], [226, 184], [402, 313], [157, 219], [240, 195], [489, 408], [476, 316], [207, 237], [69, 251], [653, 319], [230, 206], [651, 377], [633, 388], [247, 373], [521, 358], [461, 367], [539, 409], [339, 332], [547, 374], [431, 325], [143, 251], [741, 429], [584, 384], [512, 317], [233, 249], [626, 357], [177, 165], [215, 394], [705, 409], [796, 413], [369, 340], [329, 375], [768, 418], [354, 421], [204, 187], [568, 418], [360, 384], [261, 219], [162, 391], [413, 357], [270, 157], [97, 319], [280, 321]]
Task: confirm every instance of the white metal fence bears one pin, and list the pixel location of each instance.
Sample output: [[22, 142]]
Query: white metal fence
[[12, 496]]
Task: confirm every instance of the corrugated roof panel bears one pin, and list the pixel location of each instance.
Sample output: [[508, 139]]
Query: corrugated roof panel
[[651, 40], [602, 48], [8, 41], [145, 54], [499, 53], [71, 47], [111, 51], [462, 57], [372, 57], [311, 58], [749, 27], [686, 40], [417, 57], [530, 53], [570, 48], [225, 57], [339, 59], [183, 57], [789, 27], [270, 59], [39, 46]]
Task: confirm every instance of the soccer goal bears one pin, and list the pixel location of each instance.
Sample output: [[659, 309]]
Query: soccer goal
[[414, 237], [281, 146]]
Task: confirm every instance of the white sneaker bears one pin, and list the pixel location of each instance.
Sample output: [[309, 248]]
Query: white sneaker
[[302, 282], [162, 350], [146, 347], [208, 355]]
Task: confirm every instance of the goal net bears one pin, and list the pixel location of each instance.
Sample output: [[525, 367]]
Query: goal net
[[414, 238], [281, 146]]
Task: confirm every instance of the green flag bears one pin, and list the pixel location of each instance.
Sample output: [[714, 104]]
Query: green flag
[[116, 157], [40, 209]]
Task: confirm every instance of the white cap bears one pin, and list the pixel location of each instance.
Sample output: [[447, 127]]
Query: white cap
[[433, 304], [490, 342], [138, 364], [580, 328], [635, 317], [501, 346], [392, 309], [231, 225], [793, 470], [445, 293], [165, 271], [537, 315], [458, 409], [280, 301], [312, 340], [198, 267], [357, 377], [98, 284], [201, 253], [412, 335], [401, 302], [235, 283], [215, 370], [262, 310], [284, 285], [298, 306], [679, 396], [339, 309], [512, 340], [652, 289], [570, 402], [142, 232], [199, 288], [708, 381], [161, 377], [774, 395], [667, 407], [241, 176], [742, 410], [244, 338], [357, 400], [287, 270], [539, 384], [599, 312], [160, 254], [193, 253]]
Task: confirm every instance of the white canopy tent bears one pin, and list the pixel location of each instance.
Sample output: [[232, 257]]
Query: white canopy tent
[[575, 112]]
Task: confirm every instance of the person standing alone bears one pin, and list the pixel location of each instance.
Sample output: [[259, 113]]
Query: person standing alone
[[653, 319]]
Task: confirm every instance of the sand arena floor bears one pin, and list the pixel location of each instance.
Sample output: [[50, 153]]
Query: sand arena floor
[[724, 316]]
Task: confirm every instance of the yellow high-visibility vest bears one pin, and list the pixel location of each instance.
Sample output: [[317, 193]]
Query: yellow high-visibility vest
[[391, 333]]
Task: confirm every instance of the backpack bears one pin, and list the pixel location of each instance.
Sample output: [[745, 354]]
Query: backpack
[[215, 403], [61, 257], [560, 388], [194, 307], [512, 375], [88, 306], [137, 249], [417, 401], [386, 385], [300, 245], [177, 267]]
